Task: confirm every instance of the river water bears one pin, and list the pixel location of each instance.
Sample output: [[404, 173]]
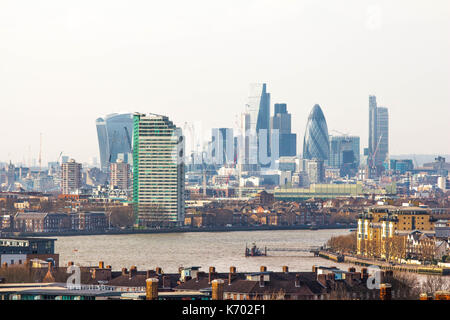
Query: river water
[[219, 249]]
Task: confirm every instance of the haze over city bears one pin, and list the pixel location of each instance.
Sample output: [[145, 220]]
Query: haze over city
[[62, 66]]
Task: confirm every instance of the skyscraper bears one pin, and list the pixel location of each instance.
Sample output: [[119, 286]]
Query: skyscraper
[[316, 143], [344, 154], [158, 171], [378, 136], [255, 126], [222, 146], [383, 132], [287, 141], [70, 177], [115, 133]]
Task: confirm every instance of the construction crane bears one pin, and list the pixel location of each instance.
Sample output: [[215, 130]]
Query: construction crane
[[372, 157], [341, 133]]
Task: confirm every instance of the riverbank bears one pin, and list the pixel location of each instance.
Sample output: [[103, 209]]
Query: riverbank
[[420, 269], [173, 230]]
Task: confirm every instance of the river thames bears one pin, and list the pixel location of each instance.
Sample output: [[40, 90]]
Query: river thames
[[219, 249]]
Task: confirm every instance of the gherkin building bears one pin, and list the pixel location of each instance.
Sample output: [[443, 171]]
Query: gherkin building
[[316, 143]]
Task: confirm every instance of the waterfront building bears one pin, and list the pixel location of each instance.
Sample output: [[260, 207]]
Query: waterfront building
[[316, 143], [70, 177], [120, 175], [88, 221], [344, 154], [331, 191], [281, 121], [383, 230], [115, 133], [37, 222], [158, 172]]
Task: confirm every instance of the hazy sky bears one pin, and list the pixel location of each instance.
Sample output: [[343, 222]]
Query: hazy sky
[[65, 63]]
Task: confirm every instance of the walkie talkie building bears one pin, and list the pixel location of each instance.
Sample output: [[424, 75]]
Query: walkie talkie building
[[115, 138]]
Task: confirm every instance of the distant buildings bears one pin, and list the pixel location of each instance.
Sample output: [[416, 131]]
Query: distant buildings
[[344, 154], [158, 173], [120, 175], [115, 133], [255, 126], [281, 121], [316, 143], [316, 170], [70, 177], [378, 136], [222, 146]]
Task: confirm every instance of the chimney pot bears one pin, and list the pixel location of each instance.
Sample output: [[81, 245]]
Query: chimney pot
[[285, 269], [151, 292], [212, 271], [124, 271], [263, 269], [217, 289], [158, 270], [101, 265]]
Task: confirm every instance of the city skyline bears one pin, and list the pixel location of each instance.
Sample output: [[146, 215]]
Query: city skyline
[[77, 66]]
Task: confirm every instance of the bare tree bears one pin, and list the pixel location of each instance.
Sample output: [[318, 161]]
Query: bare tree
[[435, 283]]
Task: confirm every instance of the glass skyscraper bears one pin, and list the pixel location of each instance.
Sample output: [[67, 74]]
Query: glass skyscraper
[[255, 118], [378, 135], [281, 121], [344, 154], [222, 146], [115, 134], [158, 171], [316, 143]]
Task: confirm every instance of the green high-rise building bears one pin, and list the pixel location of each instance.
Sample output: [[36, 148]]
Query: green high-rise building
[[158, 171]]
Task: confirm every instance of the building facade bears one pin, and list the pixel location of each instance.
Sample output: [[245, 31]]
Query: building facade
[[344, 154], [255, 127], [378, 149], [115, 133], [120, 175], [70, 177], [158, 171], [281, 121], [316, 143]]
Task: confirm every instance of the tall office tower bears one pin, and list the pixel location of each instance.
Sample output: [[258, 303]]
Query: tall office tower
[[378, 136], [255, 126], [383, 133], [70, 177], [344, 154], [222, 146], [316, 143], [315, 170], [373, 135], [114, 133], [120, 175], [281, 121], [10, 174], [158, 171]]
